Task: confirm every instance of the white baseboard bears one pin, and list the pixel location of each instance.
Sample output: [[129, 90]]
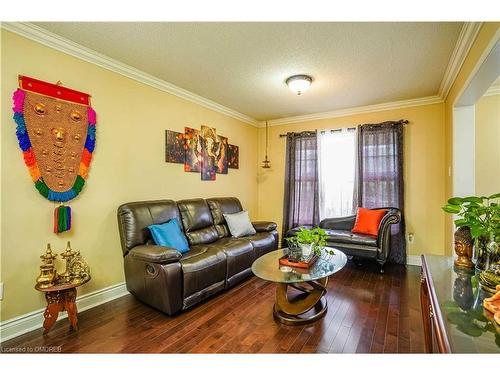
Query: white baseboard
[[414, 260], [28, 322]]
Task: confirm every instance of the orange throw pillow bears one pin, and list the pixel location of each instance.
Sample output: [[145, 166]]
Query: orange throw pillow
[[367, 221]]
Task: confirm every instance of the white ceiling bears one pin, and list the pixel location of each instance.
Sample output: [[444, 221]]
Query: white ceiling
[[243, 66]]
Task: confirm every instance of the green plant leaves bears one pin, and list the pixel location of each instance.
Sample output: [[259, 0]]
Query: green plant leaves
[[480, 214], [455, 201], [452, 209], [473, 200], [461, 222]]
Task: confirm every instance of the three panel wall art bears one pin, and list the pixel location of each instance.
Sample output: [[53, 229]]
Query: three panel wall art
[[201, 151]]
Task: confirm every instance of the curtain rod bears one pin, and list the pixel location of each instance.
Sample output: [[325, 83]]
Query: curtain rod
[[404, 122]]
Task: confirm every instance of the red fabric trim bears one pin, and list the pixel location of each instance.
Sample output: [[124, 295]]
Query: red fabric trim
[[54, 91], [86, 157], [29, 157]]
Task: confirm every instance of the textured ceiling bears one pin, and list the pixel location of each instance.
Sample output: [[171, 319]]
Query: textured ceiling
[[244, 65]]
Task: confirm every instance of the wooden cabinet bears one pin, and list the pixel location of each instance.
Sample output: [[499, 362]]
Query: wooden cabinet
[[454, 320], [434, 329]]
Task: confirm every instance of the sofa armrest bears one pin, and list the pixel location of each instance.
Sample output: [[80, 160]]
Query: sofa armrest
[[264, 226], [155, 254], [340, 223], [393, 216]]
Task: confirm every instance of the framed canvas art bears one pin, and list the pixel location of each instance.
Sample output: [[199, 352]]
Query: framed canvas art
[[209, 151], [233, 156], [222, 155], [174, 147], [192, 146]]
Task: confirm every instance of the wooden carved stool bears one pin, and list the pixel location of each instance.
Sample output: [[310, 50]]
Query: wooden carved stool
[[60, 297]]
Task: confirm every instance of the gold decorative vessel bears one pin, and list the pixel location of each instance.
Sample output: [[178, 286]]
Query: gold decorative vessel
[[48, 274]]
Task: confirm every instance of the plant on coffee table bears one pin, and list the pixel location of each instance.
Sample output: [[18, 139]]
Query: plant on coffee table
[[315, 238]]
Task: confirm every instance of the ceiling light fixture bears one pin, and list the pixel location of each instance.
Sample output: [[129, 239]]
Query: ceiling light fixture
[[299, 83]]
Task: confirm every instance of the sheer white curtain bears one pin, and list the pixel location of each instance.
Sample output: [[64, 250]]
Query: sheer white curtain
[[336, 172]]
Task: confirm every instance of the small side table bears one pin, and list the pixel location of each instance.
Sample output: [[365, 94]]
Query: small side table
[[60, 297]]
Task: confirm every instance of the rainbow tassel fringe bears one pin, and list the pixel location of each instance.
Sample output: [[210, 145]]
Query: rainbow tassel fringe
[[62, 219]]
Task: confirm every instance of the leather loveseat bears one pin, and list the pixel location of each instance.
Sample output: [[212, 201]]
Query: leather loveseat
[[360, 245], [170, 281]]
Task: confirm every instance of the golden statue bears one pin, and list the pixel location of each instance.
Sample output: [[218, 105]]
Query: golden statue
[[463, 248], [48, 274]]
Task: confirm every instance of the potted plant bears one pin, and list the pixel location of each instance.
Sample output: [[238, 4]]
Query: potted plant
[[311, 241], [482, 216]]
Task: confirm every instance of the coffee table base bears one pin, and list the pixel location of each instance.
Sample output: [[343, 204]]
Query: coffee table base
[[294, 312]]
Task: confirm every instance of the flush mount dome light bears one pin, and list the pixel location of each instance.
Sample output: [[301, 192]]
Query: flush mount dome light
[[299, 83]]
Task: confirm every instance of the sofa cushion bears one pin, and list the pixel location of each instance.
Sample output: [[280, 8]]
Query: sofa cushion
[[346, 236], [262, 243], [203, 236], [239, 224], [197, 221], [195, 214], [219, 207], [155, 254], [135, 217], [169, 234], [239, 254], [202, 267], [368, 221]]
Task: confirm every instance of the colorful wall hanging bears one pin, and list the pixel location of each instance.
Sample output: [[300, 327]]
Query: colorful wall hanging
[[204, 151], [56, 133]]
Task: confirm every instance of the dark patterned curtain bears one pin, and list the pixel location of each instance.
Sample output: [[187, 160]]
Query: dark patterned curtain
[[301, 181], [380, 176]]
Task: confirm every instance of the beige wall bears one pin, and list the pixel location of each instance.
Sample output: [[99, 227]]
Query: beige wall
[[487, 145], [128, 165], [487, 34], [424, 169]]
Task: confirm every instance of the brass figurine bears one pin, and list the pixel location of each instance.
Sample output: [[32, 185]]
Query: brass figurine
[[48, 274], [76, 272], [463, 248], [80, 270], [68, 256], [490, 278]]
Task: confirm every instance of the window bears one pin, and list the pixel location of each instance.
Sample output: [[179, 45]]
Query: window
[[337, 172]]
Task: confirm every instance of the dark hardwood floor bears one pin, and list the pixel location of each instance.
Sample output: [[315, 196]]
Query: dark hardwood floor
[[367, 313]]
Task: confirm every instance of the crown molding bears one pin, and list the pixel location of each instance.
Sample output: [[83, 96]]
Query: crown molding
[[493, 90], [463, 45], [465, 40], [69, 47], [355, 111]]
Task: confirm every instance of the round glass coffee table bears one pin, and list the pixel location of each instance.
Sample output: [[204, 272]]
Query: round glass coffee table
[[299, 290]]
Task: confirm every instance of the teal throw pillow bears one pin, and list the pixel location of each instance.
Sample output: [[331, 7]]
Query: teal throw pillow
[[169, 234]]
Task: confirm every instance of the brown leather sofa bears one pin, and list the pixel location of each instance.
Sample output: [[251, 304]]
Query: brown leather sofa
[[360, 245], [170, 281]]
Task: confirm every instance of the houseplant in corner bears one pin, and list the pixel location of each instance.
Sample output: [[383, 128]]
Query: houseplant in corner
[[482, 216]]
